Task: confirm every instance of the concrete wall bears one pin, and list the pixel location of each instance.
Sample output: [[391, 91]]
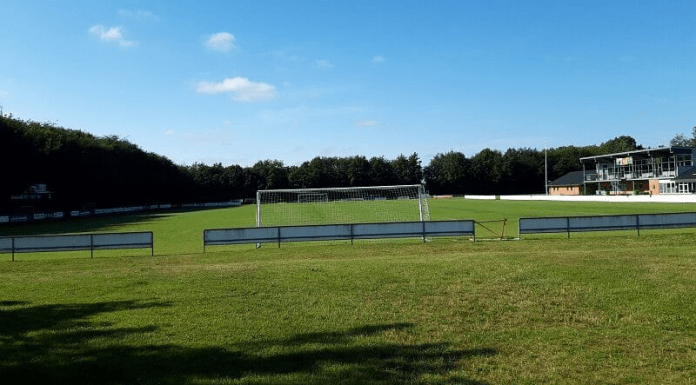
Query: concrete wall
[[669, 198], [654, 186]]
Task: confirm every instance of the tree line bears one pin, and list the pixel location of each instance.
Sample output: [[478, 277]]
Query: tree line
[[83, 171], [516, 171], [682, 140], [243, 182]]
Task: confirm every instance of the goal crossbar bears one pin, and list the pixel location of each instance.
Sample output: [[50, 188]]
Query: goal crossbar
[[320, 189]]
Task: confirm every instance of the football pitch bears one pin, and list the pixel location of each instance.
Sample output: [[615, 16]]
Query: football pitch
[[596, 308]]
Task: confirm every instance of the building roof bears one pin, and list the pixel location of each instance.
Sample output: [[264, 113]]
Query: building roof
[[573, 178], [687, 176], [644, 152]]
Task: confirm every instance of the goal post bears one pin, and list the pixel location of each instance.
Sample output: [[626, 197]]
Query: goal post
[[313, 206], [311, 197]]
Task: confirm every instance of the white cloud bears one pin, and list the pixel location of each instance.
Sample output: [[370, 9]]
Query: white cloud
[[323, 64], [113, 34], [243, 89], [221, 42], [378, 59]]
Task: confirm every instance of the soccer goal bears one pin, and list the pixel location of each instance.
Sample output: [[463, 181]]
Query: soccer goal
[[318, 206]]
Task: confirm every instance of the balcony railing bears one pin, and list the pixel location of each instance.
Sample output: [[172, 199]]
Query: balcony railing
[[593, 177]]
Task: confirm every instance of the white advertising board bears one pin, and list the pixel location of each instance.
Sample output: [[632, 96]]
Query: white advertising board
[[667, 220], [598, 223], [122, 240], [6, 245], [451, 228], [337, 232], [67, 242], [543, 225], [315, 233], [387, 230], [246, 235], [52, 242], [606, 222]]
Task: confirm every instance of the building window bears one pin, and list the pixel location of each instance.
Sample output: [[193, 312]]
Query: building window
[[684, 160], [668, 188]]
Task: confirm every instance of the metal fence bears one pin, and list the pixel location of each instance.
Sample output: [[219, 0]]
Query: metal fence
[[350, 232], [606, 223], [74, 242]]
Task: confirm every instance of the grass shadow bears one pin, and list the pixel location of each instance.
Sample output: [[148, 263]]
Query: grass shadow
[[82, 225], [12, 303], [18, 320], [59, 343]]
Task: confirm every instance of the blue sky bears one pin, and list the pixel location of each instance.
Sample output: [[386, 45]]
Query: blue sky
[[240, 81]]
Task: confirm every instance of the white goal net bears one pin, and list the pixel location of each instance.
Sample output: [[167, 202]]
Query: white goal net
[[295, 207]]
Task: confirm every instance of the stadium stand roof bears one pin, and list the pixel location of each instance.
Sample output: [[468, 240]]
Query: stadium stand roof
[[573, 178], [687, 175]]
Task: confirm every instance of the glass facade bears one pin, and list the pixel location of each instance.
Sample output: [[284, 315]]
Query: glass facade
[[630, 172], [677, 188]]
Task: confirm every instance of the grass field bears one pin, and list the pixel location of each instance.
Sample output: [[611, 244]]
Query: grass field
[[597, 308]]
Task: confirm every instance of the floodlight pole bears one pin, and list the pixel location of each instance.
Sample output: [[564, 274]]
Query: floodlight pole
[[546, 170]]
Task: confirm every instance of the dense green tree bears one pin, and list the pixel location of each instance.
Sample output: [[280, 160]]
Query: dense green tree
[[381, 172], [448, 173], [619, 144], [318, 172], [487, 171], [358, 171], [563, 160], [407, 170], [682, 140], [82, 170], [522, 171], [273, 174], [234, 180]]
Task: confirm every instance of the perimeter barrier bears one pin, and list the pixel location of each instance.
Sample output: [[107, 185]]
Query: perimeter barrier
[[279, 234], [73, 242], [606, 223]]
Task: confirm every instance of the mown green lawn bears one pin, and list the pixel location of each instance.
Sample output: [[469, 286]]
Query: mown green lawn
[[182, 232], [602, 308]]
